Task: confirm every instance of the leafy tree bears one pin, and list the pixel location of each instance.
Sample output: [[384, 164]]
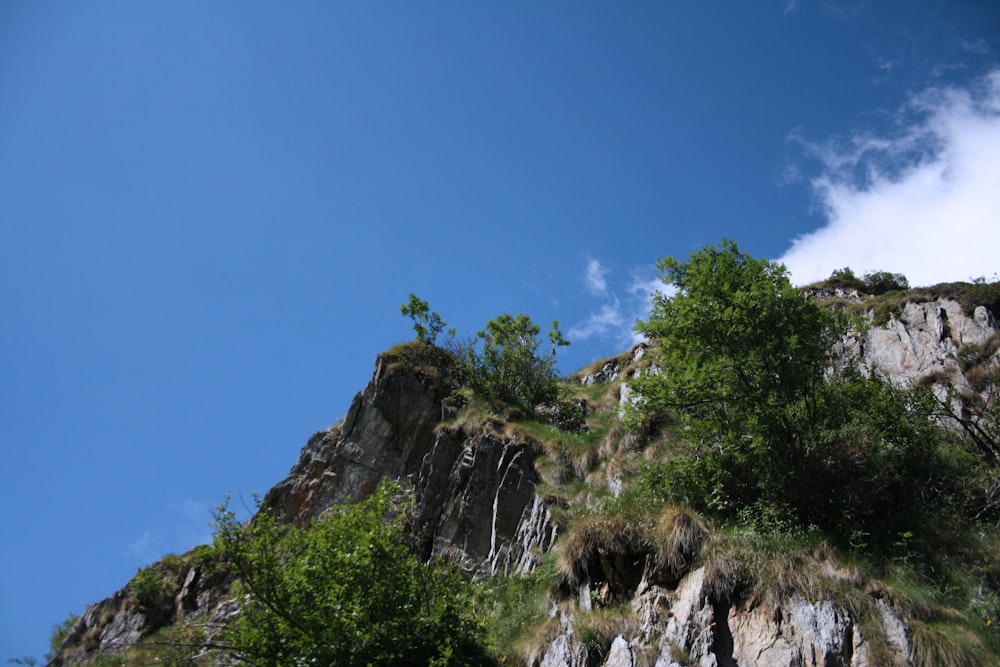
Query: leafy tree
[[426, 324], [745, 361], [845, 278], [880, 282], [345, 591], [744, 350], [509, 366], [874, 282], [502, 361]]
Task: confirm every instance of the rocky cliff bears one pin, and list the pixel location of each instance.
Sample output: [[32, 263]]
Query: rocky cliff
[[474, 484], [485, 496]]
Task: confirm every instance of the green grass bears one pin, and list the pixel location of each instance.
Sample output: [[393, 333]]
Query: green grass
[[516, 610]]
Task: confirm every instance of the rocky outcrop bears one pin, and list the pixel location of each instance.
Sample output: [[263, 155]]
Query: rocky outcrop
[[388, 430], [476, 501], [474, 487], [923, 341], [685, 625], [186, 590], [474, 491]]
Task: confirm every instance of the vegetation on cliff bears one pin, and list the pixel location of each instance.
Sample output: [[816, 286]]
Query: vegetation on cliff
[[750, 458], [503, 361], [770, 435], [345, 591], [726, 444]]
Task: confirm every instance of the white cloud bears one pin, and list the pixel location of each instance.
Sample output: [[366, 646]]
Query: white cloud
[[610, 320], [646, 288], [790, 6], [614, 319], [923, 201], [596, 278], [885, 66], [607, 321], [980, 46]]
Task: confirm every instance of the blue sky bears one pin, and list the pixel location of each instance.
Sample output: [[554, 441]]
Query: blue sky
[[210, 213]]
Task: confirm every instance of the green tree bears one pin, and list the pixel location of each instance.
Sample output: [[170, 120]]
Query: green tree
[[880, 282], [426, 324], [345, 591], [509, 366], [746, 366], [744, 349], [845, 278]]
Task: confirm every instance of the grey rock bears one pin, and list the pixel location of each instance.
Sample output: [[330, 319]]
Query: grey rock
[[620, 654], [475, 492], [564, 652], [923, 342]]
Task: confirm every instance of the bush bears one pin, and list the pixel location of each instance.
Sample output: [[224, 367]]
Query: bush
[[346, 591], [880, 282], [147, 587], [509, 367], [502, 361], [845, 278]]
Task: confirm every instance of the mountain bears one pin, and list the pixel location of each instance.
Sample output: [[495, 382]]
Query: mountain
[[521, 502]]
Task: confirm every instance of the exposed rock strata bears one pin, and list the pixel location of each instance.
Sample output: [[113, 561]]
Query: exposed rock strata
[[686, 626], [475, 491]]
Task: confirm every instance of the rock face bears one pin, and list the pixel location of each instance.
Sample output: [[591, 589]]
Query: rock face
[[475, 491], [386, 433], [923, 342], [187, 591], [476, 500], [683, 625]]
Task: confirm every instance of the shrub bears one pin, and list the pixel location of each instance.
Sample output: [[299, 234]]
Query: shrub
[[880, 282], [346, 590], [59, 634], [147, 587], [426, 324], [504, 361], [845, 278]]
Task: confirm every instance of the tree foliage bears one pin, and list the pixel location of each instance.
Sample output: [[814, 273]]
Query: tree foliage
[[880, 282], [873, 282], [426, 324], [504, 361], [845, 278], [345, 591], [744, 350], [745, 361]]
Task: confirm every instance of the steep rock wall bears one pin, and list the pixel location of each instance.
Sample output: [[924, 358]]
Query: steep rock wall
[[474, 491], [386, 433]]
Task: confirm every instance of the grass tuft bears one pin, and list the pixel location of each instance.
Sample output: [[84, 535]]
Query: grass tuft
[[677, 536], [932, 646]]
